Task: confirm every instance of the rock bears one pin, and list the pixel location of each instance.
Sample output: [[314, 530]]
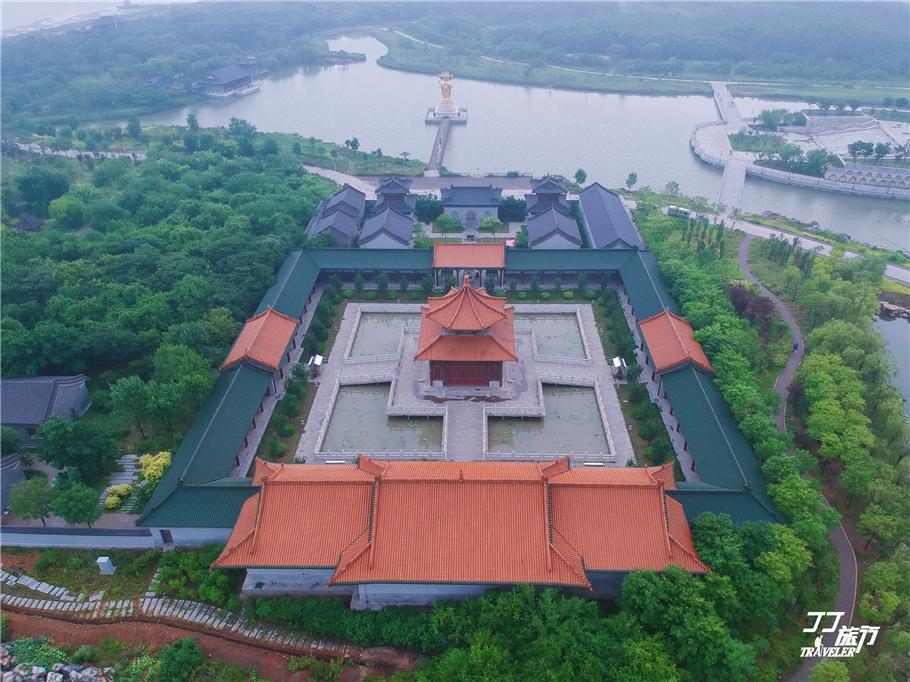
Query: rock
[[109, 672], [91, 672], [58, 667], [9, 677], [22, 670], [38, 670], [55, 677]]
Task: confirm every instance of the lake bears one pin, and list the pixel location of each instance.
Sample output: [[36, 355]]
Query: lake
[[532, 130], [896, 333]]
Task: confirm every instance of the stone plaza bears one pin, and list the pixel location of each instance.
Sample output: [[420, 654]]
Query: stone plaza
[[558, 399]]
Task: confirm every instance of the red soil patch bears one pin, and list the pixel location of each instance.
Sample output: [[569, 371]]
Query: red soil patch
[[270, 664], [23, 560]]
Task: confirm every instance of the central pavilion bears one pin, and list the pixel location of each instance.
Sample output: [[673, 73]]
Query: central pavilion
[[466, 335]]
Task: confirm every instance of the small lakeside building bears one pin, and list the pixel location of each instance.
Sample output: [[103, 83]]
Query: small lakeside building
[[228, 81]]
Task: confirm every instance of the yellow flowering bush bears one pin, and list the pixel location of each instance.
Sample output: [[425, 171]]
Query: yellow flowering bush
[[122, 491], [154, 466], [112, 502]]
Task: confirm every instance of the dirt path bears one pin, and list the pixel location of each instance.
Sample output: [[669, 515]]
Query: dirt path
[[847, 575], [270, 664]]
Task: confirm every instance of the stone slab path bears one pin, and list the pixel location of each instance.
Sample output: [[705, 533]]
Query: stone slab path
[[186, 613]]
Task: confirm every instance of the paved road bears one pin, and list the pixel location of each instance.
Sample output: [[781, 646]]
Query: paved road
[[847, 575]]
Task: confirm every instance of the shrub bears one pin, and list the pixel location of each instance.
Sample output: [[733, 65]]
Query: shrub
[[391, 295], [545, 295], [85, 654], [6, 632], [279, 449], [112, 502], [589, 294], [299, 663], [36, 651], [348, 293], [414, 295], [154, 466], [568, 295], [180, 660], [522, 295], [285, 428], [371, 295], [122, 490]]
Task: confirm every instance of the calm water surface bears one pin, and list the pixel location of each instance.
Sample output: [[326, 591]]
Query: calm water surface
[[380, 333], [572, 426], [897, 335], [533, 130]]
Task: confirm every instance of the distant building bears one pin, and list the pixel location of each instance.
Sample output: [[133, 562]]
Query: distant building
[[471, 204], [25, 404], [466, 336], [553, 229], [387, 229], [339, 216], [395, 191], [547, 192], [606, 220], [227, 81], [415, 532]]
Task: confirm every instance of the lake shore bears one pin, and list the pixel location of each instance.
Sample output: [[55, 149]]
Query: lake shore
[[408, 53]]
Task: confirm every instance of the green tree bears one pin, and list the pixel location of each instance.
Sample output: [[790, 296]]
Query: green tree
[[270, 147], [180, 660], [882, 149], [133, 128], [447, 223], [382, 282], [490, 224], [875, 523], [129, 401], [32, 499], [631, 180], [192, 121], [68, 212], [580, 176], [77, 503], [9, 440], [78, 445], [41, 184], [829, 671], [671, 188]]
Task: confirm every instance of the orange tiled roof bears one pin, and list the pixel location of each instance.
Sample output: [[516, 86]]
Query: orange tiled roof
[[262, 340], [488, 255], [671, 343], [496, 344], [461, 522], [466, 309]]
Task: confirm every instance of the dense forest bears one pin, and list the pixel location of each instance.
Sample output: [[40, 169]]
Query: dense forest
[[780, 41], [147, 270], [149, 63]]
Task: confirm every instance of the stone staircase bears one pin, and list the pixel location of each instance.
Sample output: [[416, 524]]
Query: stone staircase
[[131, 473]]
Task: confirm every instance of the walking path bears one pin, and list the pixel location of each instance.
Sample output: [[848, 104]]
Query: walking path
[[847, 575], [439, 146], [196, 616]]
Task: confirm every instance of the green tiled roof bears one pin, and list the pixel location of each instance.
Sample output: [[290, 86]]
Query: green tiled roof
[[201, 506], [568, 260], [645, 285], [216, 435], [372, 259], [739, 505], [721, 453], [296, 279]]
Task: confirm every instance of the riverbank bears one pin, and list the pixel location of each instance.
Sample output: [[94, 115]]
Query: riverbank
[[408, 53]]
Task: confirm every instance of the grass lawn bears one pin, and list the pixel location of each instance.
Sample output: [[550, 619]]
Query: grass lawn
[[870, 95], [77, 570], [315, 152], [742, 142], [890, 115]]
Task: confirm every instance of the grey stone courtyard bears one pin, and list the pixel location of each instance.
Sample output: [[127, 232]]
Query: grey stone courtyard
[[465, 415]]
